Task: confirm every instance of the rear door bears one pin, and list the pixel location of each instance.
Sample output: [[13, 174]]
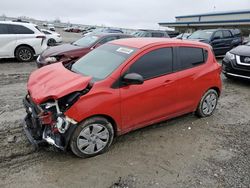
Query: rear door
[[218, 43], [157, 97], [191, 68], [228, 38], [7, 42]]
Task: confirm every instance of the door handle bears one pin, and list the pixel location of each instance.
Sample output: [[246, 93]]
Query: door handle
[[167, 82]]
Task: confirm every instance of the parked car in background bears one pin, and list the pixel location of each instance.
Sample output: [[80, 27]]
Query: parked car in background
[[183, 36], [21, 40], [172, 34], [222, 40], [150, 33], [51, 27], [53, 38], [236, 63], [67, 29], [77, 49], [104, 30], [88, 30], [84, 106]]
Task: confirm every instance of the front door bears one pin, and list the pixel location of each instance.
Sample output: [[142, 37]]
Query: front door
[[157, 97]]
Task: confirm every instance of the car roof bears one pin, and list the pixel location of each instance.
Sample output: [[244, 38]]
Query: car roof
[[143, 42], [17, 23], [99, 35], [219, 29]]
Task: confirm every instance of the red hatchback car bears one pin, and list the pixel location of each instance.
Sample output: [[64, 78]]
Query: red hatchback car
[[119, 87]]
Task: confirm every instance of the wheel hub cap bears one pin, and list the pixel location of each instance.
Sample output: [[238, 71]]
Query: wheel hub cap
[[93, 139]]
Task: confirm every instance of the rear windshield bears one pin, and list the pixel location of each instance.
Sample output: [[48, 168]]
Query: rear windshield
[[86, 41], [102, 61]]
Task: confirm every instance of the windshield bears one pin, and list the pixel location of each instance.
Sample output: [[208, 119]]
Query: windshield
[[205, 34], [86, 41], [102, 61]]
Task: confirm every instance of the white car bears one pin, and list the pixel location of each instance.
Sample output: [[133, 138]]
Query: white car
[[51, 27], [52, 37], [21, 40]]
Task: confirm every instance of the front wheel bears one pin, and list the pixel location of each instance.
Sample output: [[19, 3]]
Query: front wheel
[[207, 104], [92, 137]]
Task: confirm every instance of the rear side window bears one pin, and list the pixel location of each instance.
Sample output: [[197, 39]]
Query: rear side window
[[46, 33], [227, 34], [3, 29], [157, 35], [236, 32], [191, 57], [153, 64], [19, 29]]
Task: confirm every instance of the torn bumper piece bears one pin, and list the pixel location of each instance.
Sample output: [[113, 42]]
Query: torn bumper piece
[[39, 134]]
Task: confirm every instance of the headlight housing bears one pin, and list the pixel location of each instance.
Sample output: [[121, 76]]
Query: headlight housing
[[50, 60], [230, 56]]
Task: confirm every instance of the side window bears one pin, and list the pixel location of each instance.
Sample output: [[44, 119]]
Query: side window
[[153, 64], [46, 33], [236, 32], [108, 39], [191, 57], [3, 29], [227, 34], [218, 35], [157, 35], [124, 36], [148, 34], [19, 29]]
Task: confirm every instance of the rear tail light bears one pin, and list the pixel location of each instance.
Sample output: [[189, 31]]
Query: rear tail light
[[41, 37]]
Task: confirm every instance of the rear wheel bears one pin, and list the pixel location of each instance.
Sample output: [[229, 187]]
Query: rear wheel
[[24, 54], [92, 137], [207, 104]]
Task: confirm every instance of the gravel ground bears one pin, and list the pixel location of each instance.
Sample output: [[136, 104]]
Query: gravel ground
[[183, 152]]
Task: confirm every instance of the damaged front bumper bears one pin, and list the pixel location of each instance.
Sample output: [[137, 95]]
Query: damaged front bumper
[[39, 131]]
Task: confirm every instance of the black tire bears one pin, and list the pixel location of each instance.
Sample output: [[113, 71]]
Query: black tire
[[51, 42], [202, 111], [86, 143], [24, 54]]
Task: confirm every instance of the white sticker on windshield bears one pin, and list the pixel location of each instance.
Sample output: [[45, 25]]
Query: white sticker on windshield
[[125, 50]]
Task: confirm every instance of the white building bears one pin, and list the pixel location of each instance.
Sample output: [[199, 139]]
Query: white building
[[231, 19]]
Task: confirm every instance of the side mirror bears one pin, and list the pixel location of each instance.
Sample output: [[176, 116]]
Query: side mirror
[[132, 79]]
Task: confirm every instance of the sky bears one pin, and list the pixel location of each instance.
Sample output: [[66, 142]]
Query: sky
[[116, 13]]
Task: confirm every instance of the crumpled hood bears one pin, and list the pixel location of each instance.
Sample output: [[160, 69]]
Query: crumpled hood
[[243, 50], [59, 50], [54, 81]]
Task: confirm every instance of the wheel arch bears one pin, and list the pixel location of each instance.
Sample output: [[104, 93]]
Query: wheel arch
[[109, 118], [216, 89]]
